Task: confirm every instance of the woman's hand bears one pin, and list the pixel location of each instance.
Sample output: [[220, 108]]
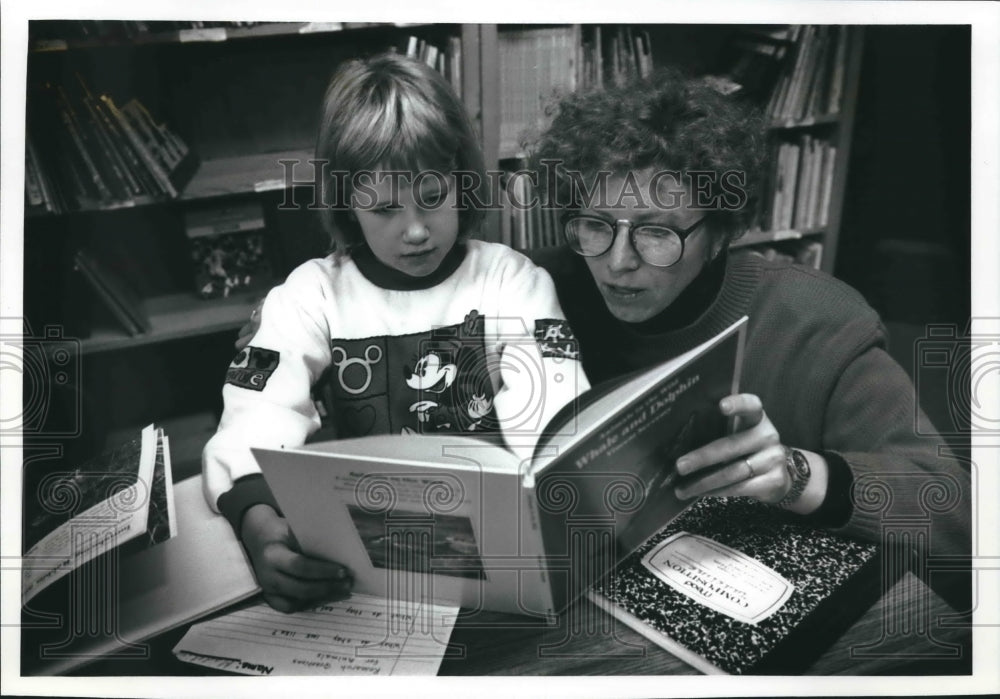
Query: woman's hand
[[752, 462], [251, 327], [290, 579]]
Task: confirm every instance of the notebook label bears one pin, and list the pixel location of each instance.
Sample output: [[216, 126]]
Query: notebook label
[[719, 577]]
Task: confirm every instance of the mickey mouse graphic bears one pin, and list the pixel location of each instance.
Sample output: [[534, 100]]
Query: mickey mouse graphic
[[431, 375]]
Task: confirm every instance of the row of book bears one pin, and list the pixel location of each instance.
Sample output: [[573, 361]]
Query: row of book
[[447, 61], [801, 184], [812, 85], [612, 55], [60, 34], [539, 65], [86, 152], [527, 227]]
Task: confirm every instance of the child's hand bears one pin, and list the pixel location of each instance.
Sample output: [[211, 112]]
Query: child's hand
[[290, 579]]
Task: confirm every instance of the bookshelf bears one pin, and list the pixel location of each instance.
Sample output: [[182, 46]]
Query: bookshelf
[[242, 97], [804, 77]]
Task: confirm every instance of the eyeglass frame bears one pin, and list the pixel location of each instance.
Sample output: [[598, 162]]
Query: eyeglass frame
[[681, 233]]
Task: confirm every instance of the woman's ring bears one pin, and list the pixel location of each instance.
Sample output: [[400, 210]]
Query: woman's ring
[[749, 466], [254, 313]]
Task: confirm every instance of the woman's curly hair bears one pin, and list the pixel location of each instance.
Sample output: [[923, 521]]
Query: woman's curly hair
[[667, 121]]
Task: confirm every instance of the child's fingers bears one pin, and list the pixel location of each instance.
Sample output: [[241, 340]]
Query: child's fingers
[[298, 565], [280, 603], [306, 591]]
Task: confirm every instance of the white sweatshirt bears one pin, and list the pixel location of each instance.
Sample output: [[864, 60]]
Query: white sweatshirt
[[486, 348]]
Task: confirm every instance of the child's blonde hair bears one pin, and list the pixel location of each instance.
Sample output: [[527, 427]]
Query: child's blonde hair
[[392, 113]]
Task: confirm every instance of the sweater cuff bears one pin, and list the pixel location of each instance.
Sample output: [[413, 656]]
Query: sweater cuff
[[836, 508], [246, 492]]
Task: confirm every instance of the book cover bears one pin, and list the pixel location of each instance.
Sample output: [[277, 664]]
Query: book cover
[[72, 517], [734, 586], [522, 528], [227, 248], [200, 570]]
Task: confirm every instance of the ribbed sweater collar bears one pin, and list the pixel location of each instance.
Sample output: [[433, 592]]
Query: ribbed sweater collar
[[730, 302], [389, 278]]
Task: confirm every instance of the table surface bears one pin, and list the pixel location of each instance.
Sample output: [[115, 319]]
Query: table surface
[[894, 637]]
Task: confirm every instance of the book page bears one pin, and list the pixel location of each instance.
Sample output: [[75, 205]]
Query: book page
[[113, 491], [362, 635]]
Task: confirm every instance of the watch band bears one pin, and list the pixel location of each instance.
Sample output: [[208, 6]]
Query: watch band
[[798, 470]]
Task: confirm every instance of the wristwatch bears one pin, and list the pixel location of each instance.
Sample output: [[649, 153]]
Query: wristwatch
[[798, 470]]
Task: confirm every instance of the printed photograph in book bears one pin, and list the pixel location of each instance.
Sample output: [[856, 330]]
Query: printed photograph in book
[[410, 541]]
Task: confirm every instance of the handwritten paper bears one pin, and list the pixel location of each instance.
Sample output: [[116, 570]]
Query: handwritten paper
[[719, 577], [363, 635]]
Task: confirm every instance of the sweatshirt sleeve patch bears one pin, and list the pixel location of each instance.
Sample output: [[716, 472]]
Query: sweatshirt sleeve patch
[[556, 339], [252, 367]]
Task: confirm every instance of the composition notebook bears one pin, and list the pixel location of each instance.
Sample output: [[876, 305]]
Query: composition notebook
[[733, 586]]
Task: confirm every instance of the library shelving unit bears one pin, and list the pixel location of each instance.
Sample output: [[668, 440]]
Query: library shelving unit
[[234, 99], [805, 77]]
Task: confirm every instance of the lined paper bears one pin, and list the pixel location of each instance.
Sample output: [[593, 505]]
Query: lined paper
[[362, 635]]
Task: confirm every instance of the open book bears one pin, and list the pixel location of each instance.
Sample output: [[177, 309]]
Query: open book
[[123, 496], [464, 520]]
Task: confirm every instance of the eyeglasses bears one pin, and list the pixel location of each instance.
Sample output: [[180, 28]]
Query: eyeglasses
[[660, 246]]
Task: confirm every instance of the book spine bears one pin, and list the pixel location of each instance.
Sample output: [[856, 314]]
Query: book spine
[[71, 126], [162, 178], [32, 178], [173, 146], [533, 547], [145, 180], [109, 143], [82, 265]]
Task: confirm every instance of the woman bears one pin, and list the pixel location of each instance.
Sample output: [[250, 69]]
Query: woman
[[657, 178]]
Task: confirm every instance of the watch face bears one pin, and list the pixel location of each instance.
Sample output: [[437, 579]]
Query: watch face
[[798, 470]]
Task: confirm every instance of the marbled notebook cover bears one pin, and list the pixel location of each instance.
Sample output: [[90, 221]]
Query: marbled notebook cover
[[836, 579]]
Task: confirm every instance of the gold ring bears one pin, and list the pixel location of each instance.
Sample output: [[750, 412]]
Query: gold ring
[[749, 466]]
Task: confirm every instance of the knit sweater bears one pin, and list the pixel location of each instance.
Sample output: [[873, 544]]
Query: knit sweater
[[479, 346], [816, 356]]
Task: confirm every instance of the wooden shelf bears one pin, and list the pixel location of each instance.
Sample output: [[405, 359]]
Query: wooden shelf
[[765, 237], [178, 316], [215, 34], [807, 123], [258, 172]]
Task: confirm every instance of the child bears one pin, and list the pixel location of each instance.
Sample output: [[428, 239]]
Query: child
[[409, 327]]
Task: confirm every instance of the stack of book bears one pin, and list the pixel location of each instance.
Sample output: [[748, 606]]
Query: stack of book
[[86, 152], [802, 184], [525, 222], [812, 85]]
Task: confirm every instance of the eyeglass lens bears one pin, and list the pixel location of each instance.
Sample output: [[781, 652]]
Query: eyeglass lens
[[656, 245]]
